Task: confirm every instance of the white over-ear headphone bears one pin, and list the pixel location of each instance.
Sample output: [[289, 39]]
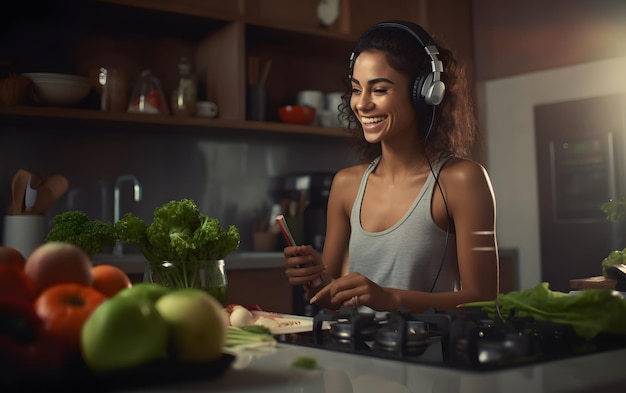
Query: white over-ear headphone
[[428, 87]]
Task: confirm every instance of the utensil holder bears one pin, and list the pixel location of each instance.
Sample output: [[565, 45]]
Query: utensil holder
[[256, 103], [24, 232]]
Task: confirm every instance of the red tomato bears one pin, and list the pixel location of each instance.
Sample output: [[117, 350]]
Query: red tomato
[[15, 283], [64, 308]]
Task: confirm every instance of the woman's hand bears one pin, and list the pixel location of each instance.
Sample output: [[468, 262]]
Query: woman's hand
[[355, 290], [303, 264]]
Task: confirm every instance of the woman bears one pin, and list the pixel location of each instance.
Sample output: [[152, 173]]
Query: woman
[[415, 225]]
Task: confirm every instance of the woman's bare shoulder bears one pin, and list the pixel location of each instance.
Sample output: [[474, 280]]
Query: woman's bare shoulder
[[463, 170], [349, 176]]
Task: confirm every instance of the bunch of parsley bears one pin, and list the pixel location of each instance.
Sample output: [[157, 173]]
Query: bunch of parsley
[[178, 232], [77, 228]]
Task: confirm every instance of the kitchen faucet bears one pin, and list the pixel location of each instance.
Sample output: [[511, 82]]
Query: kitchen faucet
[[118, 250], [73, 194]]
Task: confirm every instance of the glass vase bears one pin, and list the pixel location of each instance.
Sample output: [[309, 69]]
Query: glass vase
[[209, 276]]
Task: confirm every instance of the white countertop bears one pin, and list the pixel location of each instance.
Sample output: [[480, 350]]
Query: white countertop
[[272, 372]]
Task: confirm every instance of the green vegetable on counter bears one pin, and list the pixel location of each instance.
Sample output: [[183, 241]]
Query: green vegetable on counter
[[614, 258], [249, 336], [75, 227], [589, 312], [305, 362]]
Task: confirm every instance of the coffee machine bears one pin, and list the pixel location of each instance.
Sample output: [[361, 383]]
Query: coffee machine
[[304, 201]]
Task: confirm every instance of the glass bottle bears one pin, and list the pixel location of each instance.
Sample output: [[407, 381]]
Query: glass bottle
[[185, 96], [148, 95]]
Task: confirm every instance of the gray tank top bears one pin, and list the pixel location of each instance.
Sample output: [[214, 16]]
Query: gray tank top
[[409, 254]]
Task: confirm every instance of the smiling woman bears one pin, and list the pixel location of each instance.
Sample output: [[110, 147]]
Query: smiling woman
[[413, 225]]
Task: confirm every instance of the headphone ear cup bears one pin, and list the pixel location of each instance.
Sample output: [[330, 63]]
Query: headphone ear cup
[[435, 92], [432, 92], [427, 88]]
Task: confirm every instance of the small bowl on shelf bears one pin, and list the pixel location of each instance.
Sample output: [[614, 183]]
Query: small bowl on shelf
[[297, 114], [58, 89]]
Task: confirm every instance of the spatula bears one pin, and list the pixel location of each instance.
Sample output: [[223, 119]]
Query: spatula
[[18, 190], [51, 189], [31, 194]]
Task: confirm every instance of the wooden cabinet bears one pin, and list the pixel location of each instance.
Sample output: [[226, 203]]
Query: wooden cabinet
[[266, 288], [78, 36]]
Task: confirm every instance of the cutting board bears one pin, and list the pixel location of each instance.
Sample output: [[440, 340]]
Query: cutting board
[[599, 282]]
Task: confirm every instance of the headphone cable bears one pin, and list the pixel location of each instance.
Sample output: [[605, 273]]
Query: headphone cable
[[445, 203]]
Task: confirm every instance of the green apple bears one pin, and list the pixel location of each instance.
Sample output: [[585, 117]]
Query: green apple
[[124, 332], [197, 323], [144, 289]]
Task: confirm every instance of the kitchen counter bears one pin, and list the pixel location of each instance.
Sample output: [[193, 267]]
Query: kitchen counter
[[271, 371]]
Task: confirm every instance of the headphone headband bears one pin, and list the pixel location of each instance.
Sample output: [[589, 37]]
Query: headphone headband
[[428, 85]]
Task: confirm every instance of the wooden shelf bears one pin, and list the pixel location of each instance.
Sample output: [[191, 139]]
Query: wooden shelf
[[218, 35], [19, 114]]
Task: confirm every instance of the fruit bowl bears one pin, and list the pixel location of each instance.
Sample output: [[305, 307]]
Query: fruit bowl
[[59, 89], [297, 114]]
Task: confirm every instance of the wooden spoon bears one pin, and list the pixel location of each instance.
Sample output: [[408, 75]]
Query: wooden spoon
[[18, 190], [51, 189]]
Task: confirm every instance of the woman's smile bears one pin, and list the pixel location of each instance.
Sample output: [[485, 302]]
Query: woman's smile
[[372, 120]]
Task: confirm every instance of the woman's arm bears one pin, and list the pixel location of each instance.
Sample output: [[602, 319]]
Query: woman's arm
[[335, 256]]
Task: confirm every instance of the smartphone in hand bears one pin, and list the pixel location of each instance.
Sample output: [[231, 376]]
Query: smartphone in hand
[[280, 219]]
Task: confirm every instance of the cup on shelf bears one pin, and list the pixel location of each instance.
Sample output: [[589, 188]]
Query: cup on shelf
[[312, 98], [207, 109], [329, 117], [333, 100]]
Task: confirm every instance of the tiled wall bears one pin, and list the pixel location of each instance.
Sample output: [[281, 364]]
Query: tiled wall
[[233, 176]]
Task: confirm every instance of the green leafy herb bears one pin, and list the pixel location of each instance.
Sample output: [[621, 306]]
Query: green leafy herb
[[589, 312], [75, 227], [305, 362], [178, 232], [182, 244], [249, 336]]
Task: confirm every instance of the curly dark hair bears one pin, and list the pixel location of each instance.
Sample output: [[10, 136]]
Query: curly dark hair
[[454, 125]]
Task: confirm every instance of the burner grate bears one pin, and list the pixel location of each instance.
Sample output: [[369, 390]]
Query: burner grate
[[466, 339]]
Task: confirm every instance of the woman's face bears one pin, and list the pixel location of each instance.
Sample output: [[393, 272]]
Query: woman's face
[[380, 98]]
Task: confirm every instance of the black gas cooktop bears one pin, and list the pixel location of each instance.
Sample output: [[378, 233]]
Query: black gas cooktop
[[467, 339]]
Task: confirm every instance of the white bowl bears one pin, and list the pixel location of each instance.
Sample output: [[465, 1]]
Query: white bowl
[[59, 89]]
